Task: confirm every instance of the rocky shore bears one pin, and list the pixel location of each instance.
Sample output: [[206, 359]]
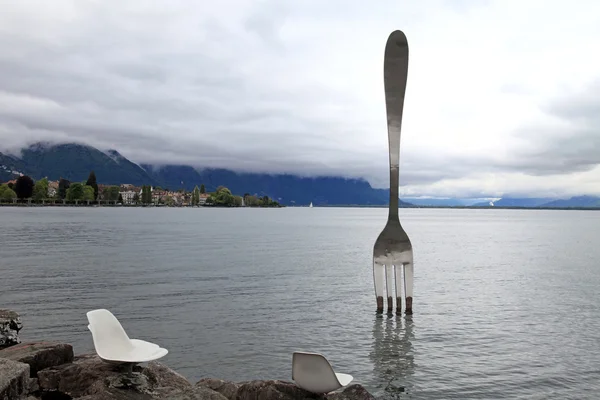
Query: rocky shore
[[51, 371]]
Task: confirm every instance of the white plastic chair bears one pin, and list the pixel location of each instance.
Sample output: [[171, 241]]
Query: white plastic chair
[[113, 344], [312, 372]]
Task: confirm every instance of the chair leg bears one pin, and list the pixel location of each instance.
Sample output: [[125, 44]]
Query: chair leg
[[124, 367]]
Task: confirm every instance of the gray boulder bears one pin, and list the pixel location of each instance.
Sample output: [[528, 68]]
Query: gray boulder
[[278, 390], [14, 379], [88, 377], [226, 388], [168, 384], [10, 325], [39, 355], [273, 390], [352, 392]]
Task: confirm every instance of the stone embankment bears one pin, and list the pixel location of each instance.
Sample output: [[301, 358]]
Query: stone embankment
[[51, 371]]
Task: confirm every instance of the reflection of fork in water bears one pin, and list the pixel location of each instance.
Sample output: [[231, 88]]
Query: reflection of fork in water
[[392, 354]]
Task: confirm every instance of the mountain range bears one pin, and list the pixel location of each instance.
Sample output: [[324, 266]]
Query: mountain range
[[74, 162], [519, 202], [545, 202], [509, 202]]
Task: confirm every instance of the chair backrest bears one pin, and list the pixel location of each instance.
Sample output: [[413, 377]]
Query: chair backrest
[[312, 372], [110, 339]]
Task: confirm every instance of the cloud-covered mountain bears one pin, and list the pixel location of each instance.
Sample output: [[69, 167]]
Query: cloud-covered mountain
[[545, 202], [518, 202], [576, 201], [508, 202], [10, 167], [75, 161], [441, 202], [289, 189]]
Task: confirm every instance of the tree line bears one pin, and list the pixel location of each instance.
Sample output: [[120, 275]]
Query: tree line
[[224, 198], [26, 188]]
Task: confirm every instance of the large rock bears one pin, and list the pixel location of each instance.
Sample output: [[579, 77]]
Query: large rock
[[10, 325], [278, 390], [14, 379], [168, 384], [160, 375], [88, 377], [116, 395], [39, 355], [273, 390], [226, 388], [352, 392], [193, 393]]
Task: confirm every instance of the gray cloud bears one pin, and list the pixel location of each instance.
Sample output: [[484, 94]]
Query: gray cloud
[[253, 85], [573, 147]]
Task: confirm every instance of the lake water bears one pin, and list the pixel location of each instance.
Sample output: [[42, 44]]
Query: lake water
[[507, 303]]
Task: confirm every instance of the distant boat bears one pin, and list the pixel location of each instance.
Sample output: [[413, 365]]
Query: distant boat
[[311, 206]]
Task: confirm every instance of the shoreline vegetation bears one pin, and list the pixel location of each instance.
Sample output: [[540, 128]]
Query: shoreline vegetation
[[24, 191], [118, 205]]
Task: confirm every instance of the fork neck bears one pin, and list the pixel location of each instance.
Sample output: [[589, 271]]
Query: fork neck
[[394, 181]]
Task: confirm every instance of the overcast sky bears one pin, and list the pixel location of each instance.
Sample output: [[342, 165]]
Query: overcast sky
[[503, 97]]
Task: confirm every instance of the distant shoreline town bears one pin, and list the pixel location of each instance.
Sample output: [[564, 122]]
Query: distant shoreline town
[[25, 191]]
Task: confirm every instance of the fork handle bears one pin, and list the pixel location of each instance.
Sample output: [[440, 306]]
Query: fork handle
[[395, 71]]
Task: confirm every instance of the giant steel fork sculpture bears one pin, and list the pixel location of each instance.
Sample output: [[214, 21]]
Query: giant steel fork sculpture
[[392, 252]]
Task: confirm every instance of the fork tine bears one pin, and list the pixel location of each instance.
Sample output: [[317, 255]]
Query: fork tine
[[379, 278], [408, 286], [399, 285], [390, 286]]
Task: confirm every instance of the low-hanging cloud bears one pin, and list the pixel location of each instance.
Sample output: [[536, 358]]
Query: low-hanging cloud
[[492, 106]]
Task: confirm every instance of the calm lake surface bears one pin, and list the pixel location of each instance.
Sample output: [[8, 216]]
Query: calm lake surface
[[507, 303]]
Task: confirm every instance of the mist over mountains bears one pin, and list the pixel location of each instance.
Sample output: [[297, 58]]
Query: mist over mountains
[[75, 161]]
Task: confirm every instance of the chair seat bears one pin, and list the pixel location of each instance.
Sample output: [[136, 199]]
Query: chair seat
[[344, 378], [141, 351], [146, 350]]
